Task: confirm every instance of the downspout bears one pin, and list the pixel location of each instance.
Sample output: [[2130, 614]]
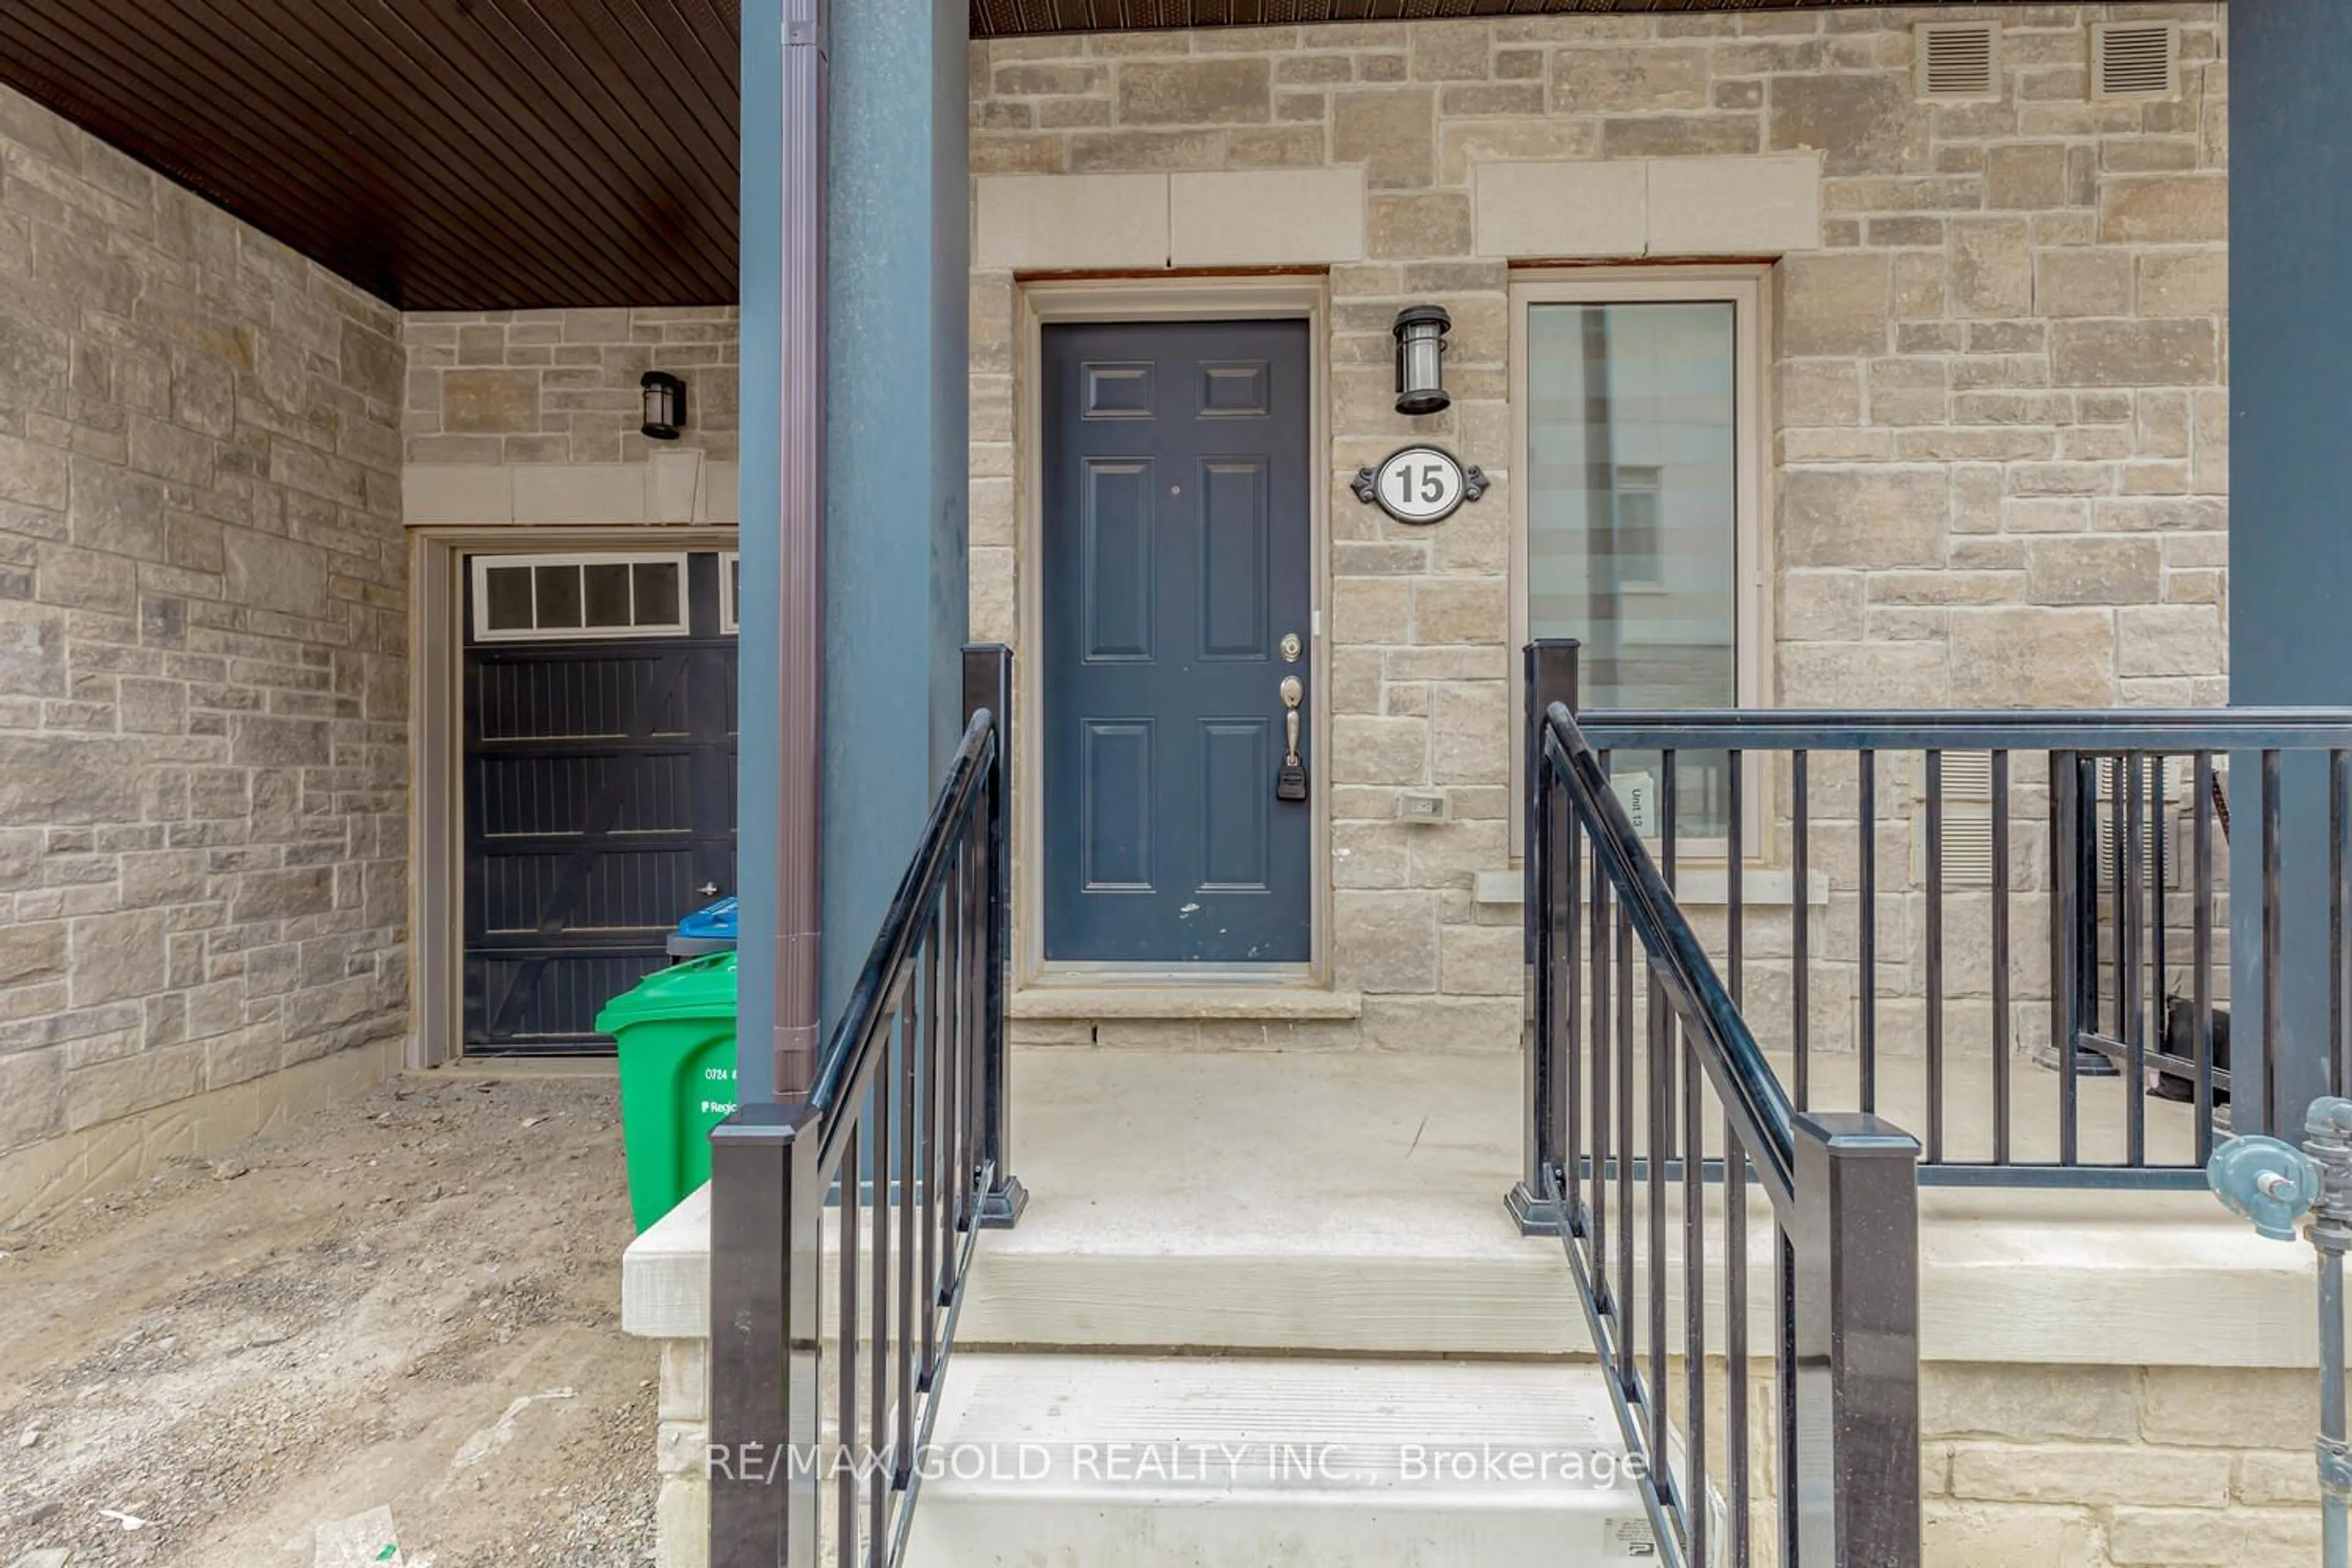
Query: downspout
[[800, 598]]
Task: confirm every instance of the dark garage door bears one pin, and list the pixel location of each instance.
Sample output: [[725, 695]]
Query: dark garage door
[[599, 780]]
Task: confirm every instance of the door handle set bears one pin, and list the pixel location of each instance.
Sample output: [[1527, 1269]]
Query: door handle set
[[1290, 782]]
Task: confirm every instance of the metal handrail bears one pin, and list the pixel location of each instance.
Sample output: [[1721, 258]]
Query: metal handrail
[[1762, 1114], [865, 1024], [1959, 730], [882, 1178], [2122, 899], [1640, 1064]]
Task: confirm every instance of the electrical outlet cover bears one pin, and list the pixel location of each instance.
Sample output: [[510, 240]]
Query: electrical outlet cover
[[1425, 807]]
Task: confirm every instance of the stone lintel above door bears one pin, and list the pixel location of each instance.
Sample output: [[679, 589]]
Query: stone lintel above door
[[1235, 217], [1745, 206]]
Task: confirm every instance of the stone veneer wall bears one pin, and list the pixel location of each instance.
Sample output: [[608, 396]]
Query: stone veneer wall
[[203, 698], [534, 416], [2056, 1467], [2117, 1466], [1999, 441], [561, 386], [2089, 1465]]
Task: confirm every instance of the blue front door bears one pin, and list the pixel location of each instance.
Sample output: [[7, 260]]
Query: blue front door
[[1177, 601]]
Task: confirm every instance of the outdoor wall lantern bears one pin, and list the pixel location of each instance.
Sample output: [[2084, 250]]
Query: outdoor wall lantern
[[1421, 358], [666, 405]]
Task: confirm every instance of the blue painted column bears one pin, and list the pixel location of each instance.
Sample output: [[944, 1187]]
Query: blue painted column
[[897, 291], [2290, 483], [760, 264]]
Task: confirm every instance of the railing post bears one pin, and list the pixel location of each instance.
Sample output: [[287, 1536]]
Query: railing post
[[2074, 986], [2070, 911], [988, 683], [1548, 676], [1855, 1236], [766, 1208]]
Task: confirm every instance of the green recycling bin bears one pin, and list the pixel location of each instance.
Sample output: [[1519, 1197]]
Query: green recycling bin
[[677, 1035]]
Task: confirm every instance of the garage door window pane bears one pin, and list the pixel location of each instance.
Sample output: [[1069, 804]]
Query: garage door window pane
[[567, 597], [605, 597], [559, 595], [507, 590], [657, 593]]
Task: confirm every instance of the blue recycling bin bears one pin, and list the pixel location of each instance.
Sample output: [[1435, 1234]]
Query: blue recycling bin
[[708, 930]]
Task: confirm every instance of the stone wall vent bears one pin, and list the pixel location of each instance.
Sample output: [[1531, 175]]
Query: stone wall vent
[[1967, 819], [1958, 62], [2135, 59], [2163, 840], [1968, 849]]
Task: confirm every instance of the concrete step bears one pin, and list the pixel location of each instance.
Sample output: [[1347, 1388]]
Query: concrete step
[[1075, 1461], [1276, 1201], [1351, 1205]]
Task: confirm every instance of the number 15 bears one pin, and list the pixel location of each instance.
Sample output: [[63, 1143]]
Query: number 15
[[1432, 483]]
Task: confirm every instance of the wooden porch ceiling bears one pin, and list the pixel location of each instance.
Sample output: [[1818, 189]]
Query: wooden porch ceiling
[[442, 154], [1001, 19], [479, 154]]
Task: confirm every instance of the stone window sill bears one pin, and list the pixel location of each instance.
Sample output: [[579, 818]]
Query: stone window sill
[[1699, 887], [1291, 1003]]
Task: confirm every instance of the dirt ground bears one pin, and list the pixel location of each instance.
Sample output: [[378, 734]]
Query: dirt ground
[[412, 1301]]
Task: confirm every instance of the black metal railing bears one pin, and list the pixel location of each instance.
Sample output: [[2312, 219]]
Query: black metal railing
[[1653, 1113], [820, 1409], [2087, 1035]]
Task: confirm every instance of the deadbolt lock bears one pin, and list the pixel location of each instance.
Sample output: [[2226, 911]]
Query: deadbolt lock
[[1290, 647]]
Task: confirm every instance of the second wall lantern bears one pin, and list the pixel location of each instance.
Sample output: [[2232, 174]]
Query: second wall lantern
[[665, 404], [1421, 358]]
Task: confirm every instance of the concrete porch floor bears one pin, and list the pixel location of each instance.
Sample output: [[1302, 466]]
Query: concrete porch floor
[[2103, 1108], [1262, 1246], [1275, 1200], [1352, 1203]]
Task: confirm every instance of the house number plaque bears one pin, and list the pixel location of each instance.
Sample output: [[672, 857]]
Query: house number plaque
[[1420, 484]]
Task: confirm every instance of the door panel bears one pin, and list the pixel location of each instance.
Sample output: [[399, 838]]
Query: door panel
[[1118, 577], [1116, 806], [1236, 759], [1177, 556], [1233, 559], [1115, 390]]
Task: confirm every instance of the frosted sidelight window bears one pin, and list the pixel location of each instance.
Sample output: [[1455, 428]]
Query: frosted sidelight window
[[1637, 541]]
